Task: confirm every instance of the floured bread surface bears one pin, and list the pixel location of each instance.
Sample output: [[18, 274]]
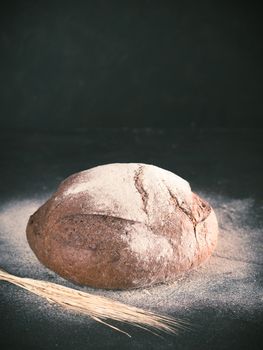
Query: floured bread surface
[[123, 225]]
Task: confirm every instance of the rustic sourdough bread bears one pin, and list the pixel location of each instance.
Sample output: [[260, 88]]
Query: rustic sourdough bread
[[123, 225]]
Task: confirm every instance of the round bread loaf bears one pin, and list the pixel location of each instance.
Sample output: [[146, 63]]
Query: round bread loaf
[[123, 225]]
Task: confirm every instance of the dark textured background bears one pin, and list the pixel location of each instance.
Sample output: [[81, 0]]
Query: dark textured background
[[78, 64], [189, 71]]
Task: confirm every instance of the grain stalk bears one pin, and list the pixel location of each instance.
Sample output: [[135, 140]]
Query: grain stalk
[[99, 308]]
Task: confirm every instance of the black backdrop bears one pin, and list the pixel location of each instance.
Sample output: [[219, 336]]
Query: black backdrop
[[80, 64], [75, 66]]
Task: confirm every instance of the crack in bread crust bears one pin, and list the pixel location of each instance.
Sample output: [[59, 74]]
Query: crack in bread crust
[[189, 214], [139, 187], [175, 201]]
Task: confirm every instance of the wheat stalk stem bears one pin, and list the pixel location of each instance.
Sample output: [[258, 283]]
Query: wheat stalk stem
[[97, 307]]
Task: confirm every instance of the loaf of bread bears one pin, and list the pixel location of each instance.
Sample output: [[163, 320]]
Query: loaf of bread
[[123, 225]]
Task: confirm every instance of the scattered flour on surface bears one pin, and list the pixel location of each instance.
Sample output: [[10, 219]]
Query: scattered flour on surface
[[230, 279]]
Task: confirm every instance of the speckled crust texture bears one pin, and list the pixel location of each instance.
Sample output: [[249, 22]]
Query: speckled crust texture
[[123, 225]]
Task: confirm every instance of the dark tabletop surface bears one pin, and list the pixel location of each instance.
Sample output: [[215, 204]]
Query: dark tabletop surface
[[224, 165]]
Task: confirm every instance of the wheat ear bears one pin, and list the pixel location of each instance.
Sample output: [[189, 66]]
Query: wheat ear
[[97, 307]]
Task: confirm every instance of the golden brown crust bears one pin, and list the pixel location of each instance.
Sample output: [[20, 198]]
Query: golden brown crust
[[107, 251]]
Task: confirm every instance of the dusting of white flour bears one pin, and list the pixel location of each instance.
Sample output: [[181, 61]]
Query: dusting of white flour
[[143, 188], [141, 241]]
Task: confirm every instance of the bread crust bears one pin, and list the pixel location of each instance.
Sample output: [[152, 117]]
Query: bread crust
[[121, 226]]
